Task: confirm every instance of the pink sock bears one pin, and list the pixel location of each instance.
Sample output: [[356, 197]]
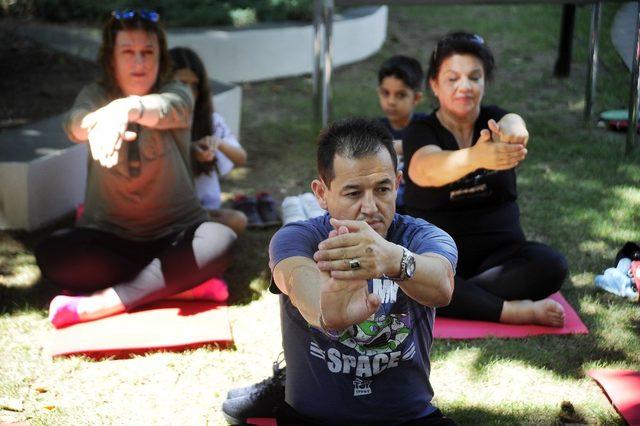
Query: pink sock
[[214, 289], [63, 311]]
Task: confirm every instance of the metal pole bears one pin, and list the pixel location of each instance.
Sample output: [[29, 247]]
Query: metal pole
[[592, 69], [316, 71], [635, 82], [563, 62], [327, 50]]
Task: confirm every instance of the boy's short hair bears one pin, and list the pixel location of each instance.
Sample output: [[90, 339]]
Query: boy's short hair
[[403, 68], [351, 138]]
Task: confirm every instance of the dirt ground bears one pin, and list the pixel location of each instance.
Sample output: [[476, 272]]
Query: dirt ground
[[35, 81]]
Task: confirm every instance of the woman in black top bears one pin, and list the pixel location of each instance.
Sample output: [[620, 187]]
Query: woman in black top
[[461, 177]]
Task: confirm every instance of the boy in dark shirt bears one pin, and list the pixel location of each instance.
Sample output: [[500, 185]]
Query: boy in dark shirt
[[400, 90]]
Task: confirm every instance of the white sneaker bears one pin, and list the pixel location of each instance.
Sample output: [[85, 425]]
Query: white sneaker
[[292, 210], [310, 205]]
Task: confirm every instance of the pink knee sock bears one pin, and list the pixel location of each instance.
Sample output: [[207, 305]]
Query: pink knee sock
[[63, 311]]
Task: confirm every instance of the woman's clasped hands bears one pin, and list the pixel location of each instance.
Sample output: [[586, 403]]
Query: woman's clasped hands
[[107, 129], [502, 146]]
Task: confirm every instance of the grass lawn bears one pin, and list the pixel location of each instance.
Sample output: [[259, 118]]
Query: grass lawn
[[578, 193]]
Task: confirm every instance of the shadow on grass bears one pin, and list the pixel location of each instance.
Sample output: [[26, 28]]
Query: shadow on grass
[[574, 200], [249, 275], [477, 415], [564, 355], [634, 325], [16, 249], [21, 299]]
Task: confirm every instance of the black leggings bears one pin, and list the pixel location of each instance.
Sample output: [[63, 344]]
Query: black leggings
[[490, 272], [86, 260]]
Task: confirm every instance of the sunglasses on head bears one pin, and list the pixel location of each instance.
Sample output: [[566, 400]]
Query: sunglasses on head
[[129, 14], [475, 38]]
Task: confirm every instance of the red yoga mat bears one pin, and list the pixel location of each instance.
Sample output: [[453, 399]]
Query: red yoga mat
[[171, 325], [451, 328], [262, 421], [622, 387]]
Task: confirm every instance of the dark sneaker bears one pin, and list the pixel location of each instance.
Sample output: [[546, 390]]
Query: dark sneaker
[[277, 379], [259, 400], [248, 206], [267, 209]]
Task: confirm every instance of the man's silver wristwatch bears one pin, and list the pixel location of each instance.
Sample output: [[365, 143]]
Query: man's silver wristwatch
[[407, 266]]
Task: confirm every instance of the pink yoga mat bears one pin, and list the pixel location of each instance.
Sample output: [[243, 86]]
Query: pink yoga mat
[[450, 328], [622, 387], [171, 325]]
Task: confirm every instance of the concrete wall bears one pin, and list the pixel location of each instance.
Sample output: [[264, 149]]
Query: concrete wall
[[265, 53], [238, 55]]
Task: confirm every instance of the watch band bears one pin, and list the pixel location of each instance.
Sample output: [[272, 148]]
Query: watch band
[[404, 263]]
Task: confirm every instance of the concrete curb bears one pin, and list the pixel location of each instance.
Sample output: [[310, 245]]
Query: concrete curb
[[42, 175]]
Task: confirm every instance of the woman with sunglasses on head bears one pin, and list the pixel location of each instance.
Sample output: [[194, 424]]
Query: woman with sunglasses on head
[[143, 234], [461, 177]]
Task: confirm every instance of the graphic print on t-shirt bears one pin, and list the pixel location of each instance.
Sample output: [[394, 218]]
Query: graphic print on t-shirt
[[471, 186], [374, 345]]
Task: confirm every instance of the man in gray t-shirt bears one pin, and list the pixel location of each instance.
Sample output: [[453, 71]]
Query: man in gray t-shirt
[[359, 290]]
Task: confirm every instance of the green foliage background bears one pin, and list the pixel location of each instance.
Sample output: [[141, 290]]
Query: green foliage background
[[173, 13]]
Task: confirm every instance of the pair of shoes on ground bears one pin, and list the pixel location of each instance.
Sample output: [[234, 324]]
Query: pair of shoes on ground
[[260, 210], [256, 401], [301, 207]]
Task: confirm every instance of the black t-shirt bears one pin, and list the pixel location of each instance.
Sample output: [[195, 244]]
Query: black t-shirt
[[481, 202]]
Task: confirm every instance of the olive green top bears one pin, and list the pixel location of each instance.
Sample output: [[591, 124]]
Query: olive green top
[[161, 200]]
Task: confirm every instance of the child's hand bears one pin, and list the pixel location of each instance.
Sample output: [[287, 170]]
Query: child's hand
[[205, 149], [215, 142]]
